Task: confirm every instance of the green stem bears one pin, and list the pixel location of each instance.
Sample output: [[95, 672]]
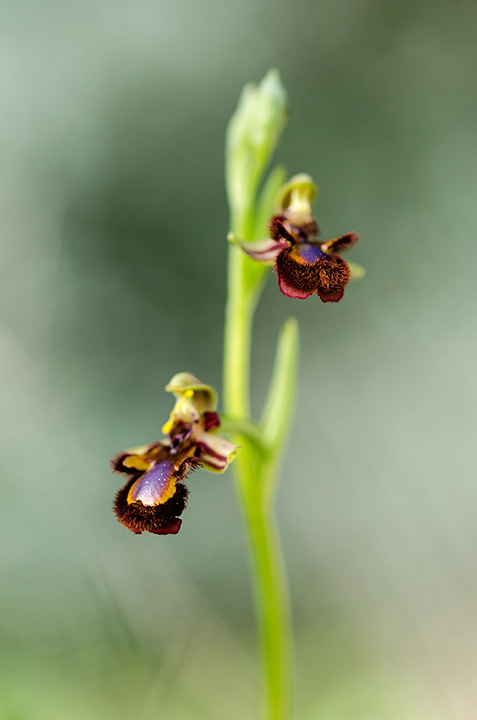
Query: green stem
[[271, 598], [253, 467], [238, 330]]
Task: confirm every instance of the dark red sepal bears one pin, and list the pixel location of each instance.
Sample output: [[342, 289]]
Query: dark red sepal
[[278, 230], [211, 420], [117, 462], [345, 242]]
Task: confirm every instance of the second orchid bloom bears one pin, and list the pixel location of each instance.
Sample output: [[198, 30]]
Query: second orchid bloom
[[303, 264], [155, 495]]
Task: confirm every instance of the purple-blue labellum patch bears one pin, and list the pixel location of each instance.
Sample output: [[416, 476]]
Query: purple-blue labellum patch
[[308, 253], [155, 486]]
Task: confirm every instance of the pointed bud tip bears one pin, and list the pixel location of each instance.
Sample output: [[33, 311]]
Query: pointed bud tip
[[272, 86]]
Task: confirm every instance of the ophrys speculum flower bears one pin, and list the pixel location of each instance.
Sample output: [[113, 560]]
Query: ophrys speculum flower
[[155, 495], [304, 265]]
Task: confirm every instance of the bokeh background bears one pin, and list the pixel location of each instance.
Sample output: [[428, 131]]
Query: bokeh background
[[112, 278]]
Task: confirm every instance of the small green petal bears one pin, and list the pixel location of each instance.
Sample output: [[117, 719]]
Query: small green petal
[[357, 271]]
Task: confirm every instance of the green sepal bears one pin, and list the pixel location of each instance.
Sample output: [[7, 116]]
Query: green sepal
[[357, 271], [300, 187], [186, 383]]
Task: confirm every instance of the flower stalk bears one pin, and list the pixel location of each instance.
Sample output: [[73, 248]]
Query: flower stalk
[[253, 133]]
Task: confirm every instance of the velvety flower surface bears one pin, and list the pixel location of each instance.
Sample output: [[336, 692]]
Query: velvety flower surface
[[304, 265], [155, 496]]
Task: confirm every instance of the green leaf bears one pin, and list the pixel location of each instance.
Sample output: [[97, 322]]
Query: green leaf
[[281, 396]]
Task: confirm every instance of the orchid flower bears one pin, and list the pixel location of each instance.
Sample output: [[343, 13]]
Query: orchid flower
[[303, 264], [155, 495]]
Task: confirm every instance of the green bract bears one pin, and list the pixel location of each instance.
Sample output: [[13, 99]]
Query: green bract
[[252, 136]]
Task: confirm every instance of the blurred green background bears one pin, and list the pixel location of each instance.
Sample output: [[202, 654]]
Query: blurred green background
[[112, 225]]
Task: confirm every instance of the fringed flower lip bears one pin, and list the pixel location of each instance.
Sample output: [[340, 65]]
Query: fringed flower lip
[[155, 496], [303, 264]]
